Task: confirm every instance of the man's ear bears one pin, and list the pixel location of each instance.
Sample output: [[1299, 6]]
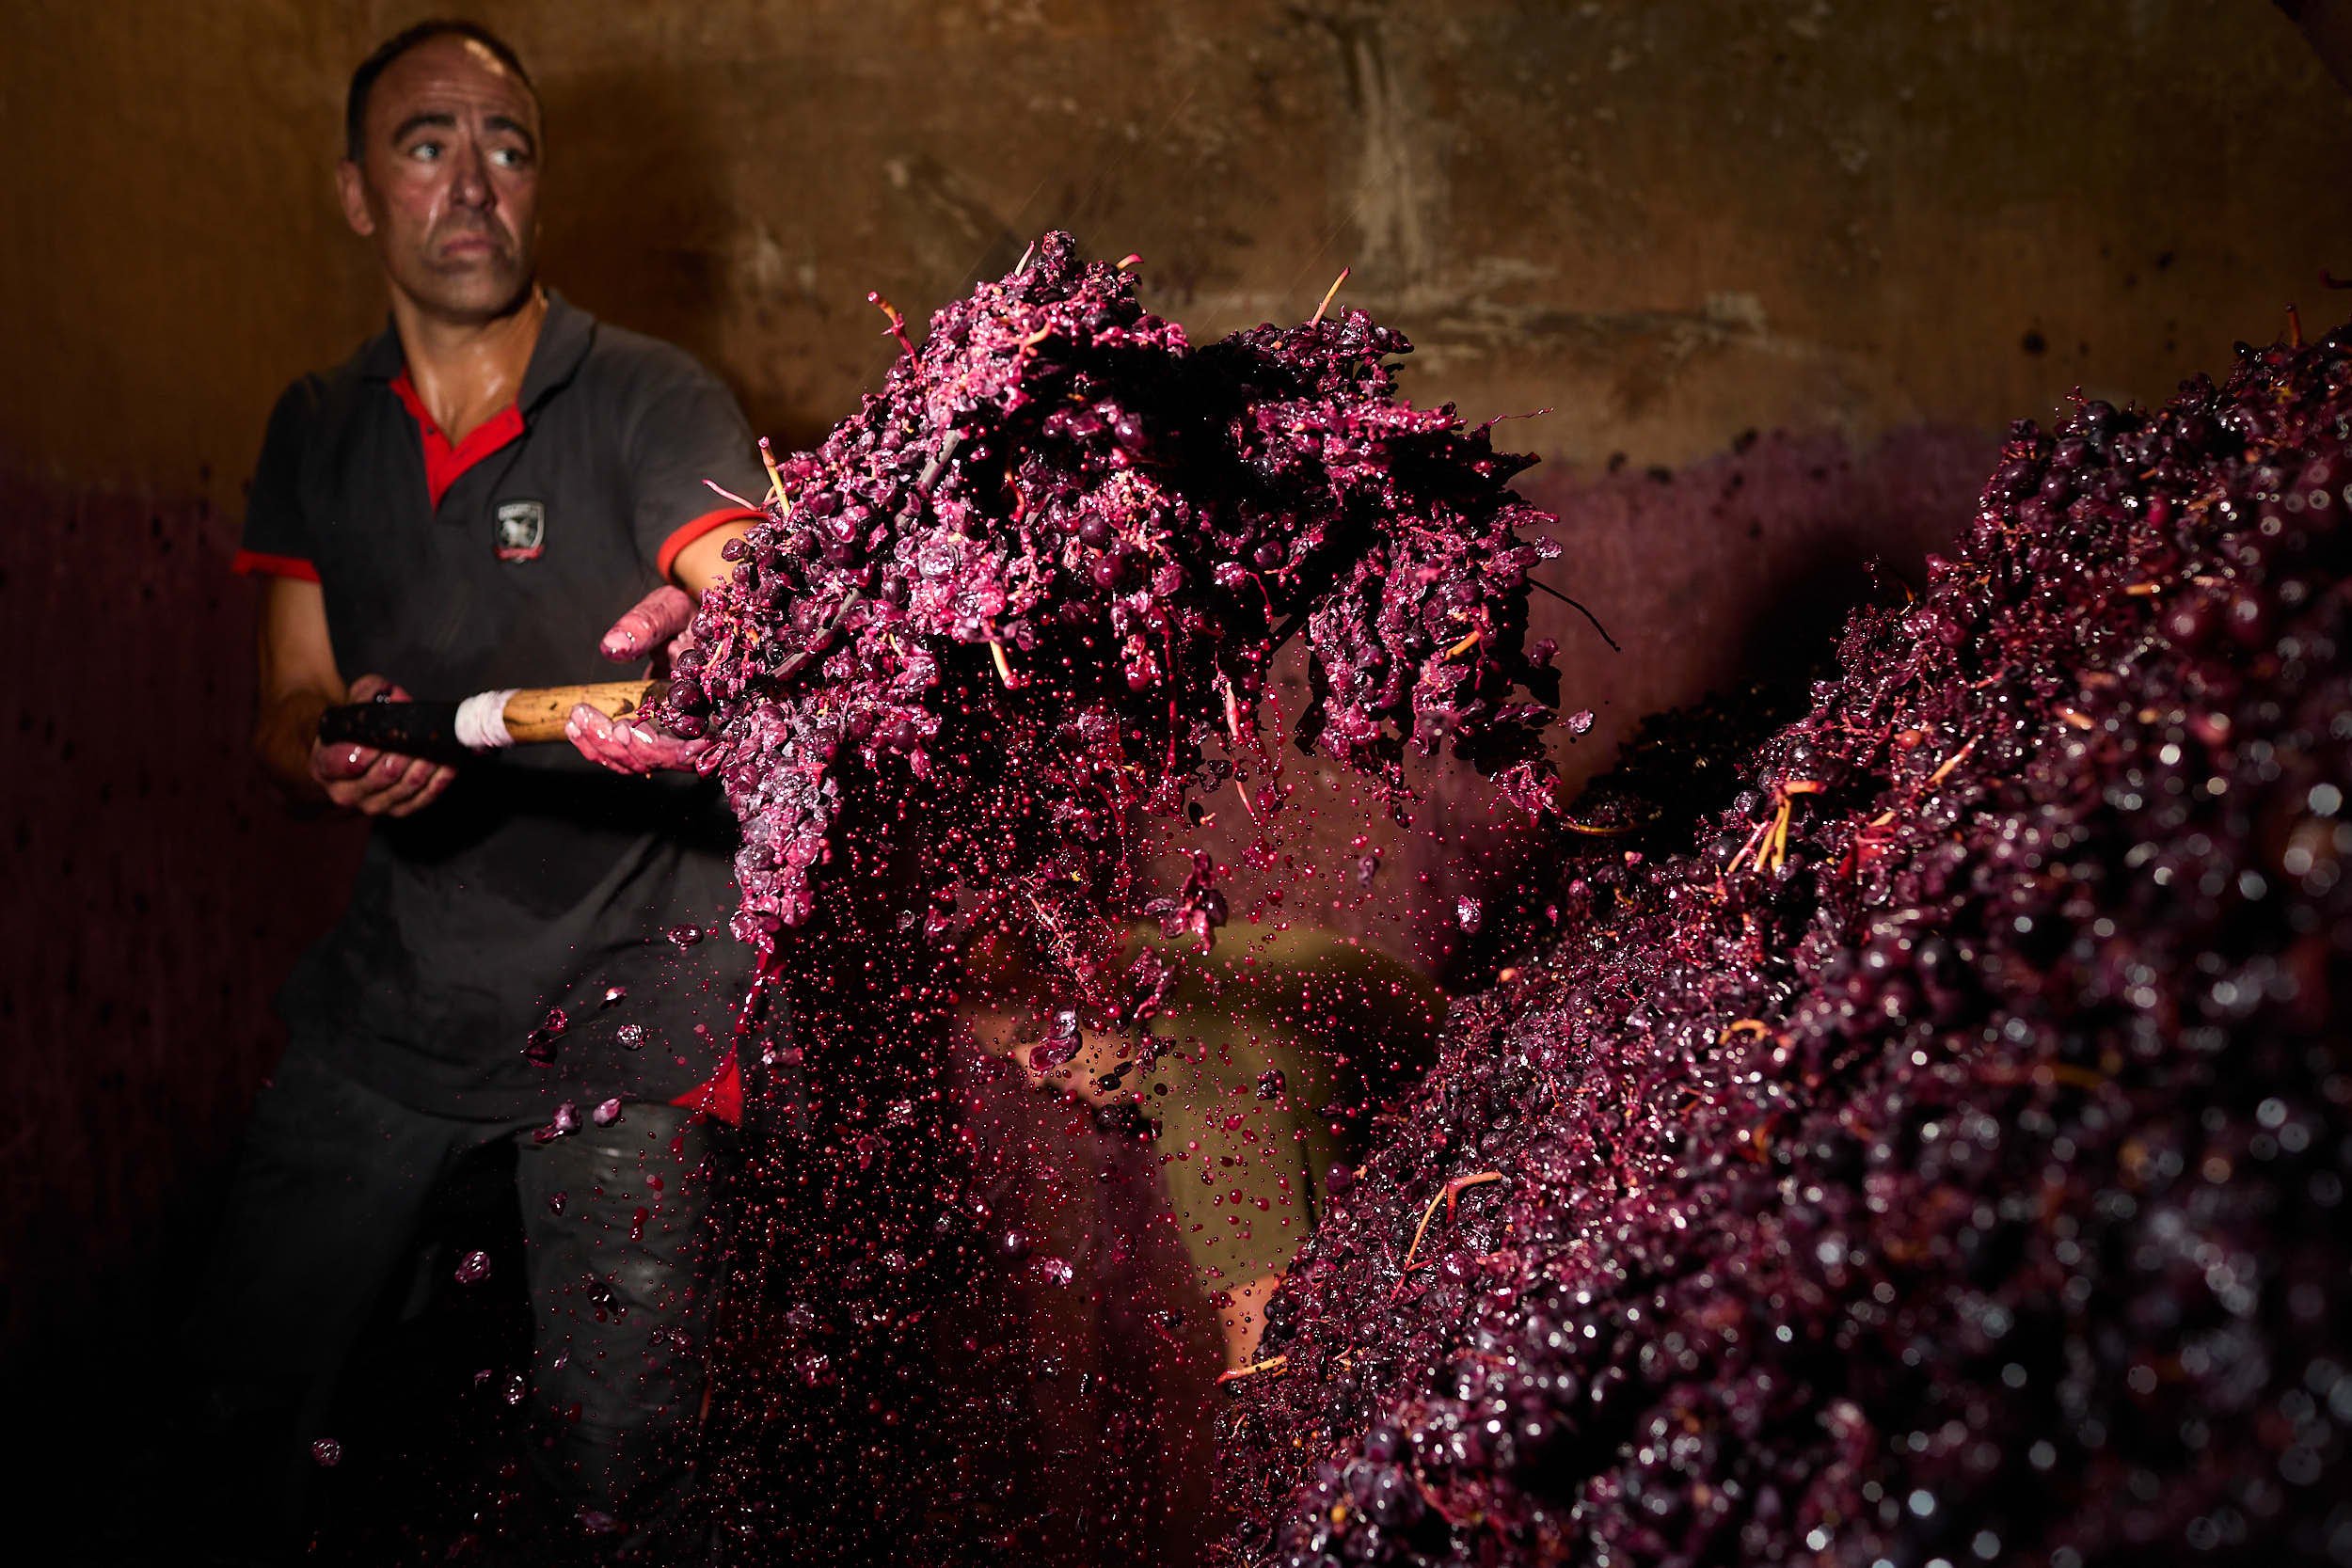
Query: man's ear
[[352, 186]]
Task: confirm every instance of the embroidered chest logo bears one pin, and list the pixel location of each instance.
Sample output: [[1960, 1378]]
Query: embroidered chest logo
[[522, 531]]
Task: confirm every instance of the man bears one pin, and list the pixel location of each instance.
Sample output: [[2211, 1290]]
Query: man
[[484, 493]]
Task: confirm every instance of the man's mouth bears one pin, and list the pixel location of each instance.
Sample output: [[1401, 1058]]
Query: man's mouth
[[469, 244]]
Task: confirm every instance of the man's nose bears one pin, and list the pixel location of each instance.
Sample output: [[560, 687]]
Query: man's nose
[[472, 187]]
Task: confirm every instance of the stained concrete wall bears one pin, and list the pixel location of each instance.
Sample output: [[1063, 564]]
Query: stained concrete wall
[[1881, 230]]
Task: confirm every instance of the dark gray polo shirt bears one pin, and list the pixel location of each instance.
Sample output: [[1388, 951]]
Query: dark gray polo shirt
[[539, 880]]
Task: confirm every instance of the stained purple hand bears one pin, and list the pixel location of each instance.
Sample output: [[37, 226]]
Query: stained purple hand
[[628, 747], [655, 628], [374, 782]]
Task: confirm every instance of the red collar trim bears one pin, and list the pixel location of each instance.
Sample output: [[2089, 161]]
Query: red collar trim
[[444, 463]]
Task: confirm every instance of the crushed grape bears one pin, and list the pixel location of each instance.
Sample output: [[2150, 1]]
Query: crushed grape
[[1032, 590], [1944, 1156]]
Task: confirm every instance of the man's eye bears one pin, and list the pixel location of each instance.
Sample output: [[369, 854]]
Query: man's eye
[[425, 152], [511, 157]]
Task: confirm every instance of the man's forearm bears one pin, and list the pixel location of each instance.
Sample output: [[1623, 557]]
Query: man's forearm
[[282, 736], [703, 564]]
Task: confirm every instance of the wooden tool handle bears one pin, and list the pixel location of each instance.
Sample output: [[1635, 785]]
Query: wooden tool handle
[[430, 729], [538, 713]]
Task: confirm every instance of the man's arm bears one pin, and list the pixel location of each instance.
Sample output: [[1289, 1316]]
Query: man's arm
[[699, 565], [685, 439], [298, 682]]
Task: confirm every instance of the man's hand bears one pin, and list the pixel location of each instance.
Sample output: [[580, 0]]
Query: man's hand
[[297, 680], [374, 782], [653, 627], [630, 748]]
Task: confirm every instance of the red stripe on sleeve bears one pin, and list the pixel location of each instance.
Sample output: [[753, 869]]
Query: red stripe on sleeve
[[686, 534], [248, 563]]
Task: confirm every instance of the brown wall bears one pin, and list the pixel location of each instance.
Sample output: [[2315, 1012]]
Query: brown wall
[[1883, 230], [1668, 222]]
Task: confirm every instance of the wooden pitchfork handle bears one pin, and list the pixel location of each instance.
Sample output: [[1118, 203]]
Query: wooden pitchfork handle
[[431, 729]]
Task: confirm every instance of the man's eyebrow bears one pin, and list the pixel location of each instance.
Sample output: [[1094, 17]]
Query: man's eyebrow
[[441, 118], [507, 123]]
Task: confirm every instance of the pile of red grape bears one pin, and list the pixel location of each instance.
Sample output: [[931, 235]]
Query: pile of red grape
[[1943, 1158], [1028, 587]]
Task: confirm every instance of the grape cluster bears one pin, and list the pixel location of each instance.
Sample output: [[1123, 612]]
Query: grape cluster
[[1942, 1159], [1022, 593]]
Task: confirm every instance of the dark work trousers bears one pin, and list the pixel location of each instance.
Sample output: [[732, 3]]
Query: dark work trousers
[[323, 1212]]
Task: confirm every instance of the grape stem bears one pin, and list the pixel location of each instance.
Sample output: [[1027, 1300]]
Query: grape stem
[[897, 322], [1233, 709], [1777, 849], [816, 644], [1949, 763], [1271, 1364], [1329, 295], [1580, 608], [1768, 844], [1445, 1195], [775, 475]]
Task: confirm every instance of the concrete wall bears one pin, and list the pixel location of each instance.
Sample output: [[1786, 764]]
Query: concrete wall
[[1881, 230]]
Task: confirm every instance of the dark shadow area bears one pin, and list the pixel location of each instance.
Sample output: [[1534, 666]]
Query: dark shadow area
[[428, 1421], [158, 891]]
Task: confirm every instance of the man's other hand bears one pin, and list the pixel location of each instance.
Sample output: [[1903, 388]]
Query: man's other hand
[[374, 782], [655, 628]]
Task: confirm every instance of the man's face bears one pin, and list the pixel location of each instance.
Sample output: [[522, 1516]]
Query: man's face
[[447, 184]]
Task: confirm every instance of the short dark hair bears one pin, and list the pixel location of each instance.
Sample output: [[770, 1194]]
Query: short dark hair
[[363, 79]]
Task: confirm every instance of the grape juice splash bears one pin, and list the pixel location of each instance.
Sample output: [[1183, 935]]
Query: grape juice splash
[[1943, 1158]]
